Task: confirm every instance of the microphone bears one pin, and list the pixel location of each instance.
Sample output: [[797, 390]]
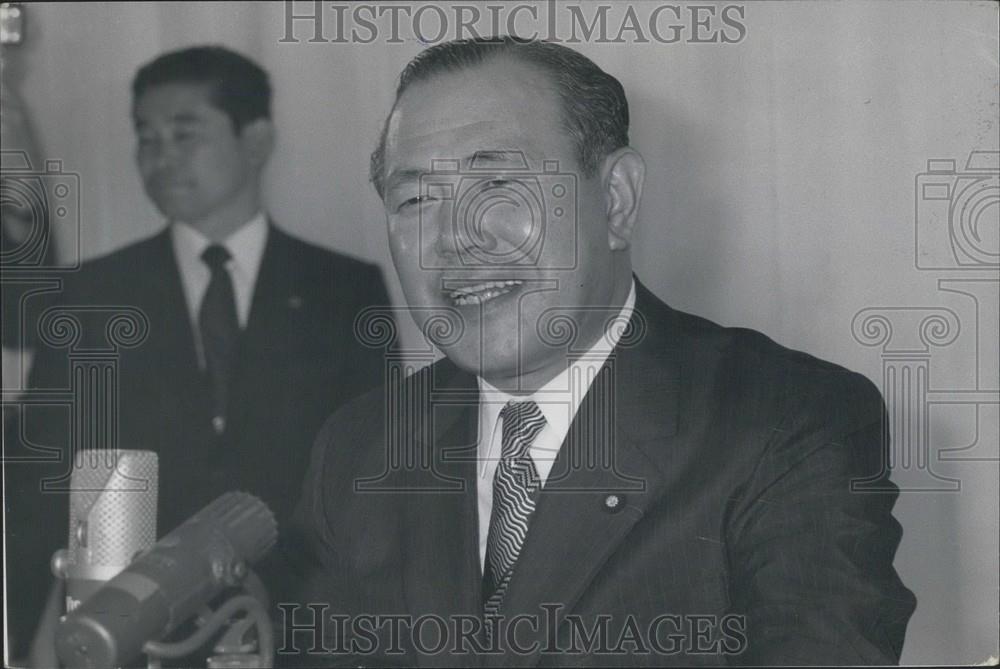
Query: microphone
[[168, 584], [112, 517]]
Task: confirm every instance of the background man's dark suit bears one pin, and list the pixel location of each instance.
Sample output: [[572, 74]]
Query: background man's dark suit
[[746, 451], [298, 360]]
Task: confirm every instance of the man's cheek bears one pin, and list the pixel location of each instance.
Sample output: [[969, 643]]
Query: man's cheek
[[400, 242], [399, 251]]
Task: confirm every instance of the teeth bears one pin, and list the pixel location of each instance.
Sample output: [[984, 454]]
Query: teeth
[[480, 287], [481, 292]]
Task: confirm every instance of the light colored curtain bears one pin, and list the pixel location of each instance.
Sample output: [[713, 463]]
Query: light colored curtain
[[783, 194]]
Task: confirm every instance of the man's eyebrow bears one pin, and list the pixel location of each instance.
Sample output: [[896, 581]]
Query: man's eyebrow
[[507, 157], [403, 175], [516, 159], [182, 117], [497, 156], [185, 117]]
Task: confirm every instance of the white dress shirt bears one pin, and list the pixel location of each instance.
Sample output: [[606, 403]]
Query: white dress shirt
[[246, 249], [558, 401]]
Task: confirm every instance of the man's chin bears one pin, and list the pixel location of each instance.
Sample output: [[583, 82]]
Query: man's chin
[[177, 209], [471, 358], [174, 213], [487, 352], [500, 369]]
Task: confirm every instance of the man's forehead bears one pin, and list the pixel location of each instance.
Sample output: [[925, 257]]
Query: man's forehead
[[481, 100], [174, 95], [440, 132], [411, 140]]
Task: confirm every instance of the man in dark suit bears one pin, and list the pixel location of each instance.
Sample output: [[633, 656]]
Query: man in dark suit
[[232, 340], [590, 477]]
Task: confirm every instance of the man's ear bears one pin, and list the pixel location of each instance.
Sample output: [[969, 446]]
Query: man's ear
[[623, 174], [258, 140]]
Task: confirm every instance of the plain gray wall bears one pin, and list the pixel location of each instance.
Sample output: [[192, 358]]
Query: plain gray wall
[[780, 196]]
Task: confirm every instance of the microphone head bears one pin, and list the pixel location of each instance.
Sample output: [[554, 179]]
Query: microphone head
[[112, 515], [246, 522]]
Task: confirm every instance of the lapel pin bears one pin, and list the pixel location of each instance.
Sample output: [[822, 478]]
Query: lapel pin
[[294, 302], [219, 423], [614, 503]]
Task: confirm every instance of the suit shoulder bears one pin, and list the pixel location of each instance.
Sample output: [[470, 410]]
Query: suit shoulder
[[758, 366], [127, 255], [354, 439], [108, 271], [363, 409], [323, 258]]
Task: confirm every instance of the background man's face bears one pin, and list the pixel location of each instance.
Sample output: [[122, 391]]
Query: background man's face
[[507, 247], [191, 160]]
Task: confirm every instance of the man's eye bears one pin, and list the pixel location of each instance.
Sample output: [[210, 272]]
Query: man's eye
[[146, 141], [414, 201]]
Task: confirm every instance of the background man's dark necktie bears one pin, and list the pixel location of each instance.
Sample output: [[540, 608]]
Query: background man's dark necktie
[[220, 330]]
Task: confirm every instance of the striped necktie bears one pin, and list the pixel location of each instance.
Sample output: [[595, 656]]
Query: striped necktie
[[514, 486]]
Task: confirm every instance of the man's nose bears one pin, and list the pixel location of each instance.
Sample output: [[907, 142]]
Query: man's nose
[[465, 233], [449, 242], [161, 154], [168, 156]]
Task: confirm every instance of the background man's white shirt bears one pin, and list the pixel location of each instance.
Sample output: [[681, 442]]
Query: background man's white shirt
[[246, 248]]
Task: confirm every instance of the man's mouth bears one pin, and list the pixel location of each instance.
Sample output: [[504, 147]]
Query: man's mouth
[[171, 182], [481, 292]]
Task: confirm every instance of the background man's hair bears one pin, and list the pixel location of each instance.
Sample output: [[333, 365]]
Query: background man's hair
[[594, 107], [238, 86]]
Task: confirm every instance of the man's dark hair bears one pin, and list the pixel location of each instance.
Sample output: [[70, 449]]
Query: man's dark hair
[[594, 108], [237, 85]]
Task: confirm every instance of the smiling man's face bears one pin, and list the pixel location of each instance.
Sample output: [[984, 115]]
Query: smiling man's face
[[505, 246]]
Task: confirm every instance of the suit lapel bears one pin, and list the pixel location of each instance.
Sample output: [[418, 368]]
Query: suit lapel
[[274, 296], [441, 571], [273, 291], [608, 472]]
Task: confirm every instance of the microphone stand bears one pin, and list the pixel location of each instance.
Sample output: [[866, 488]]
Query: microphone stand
[[43, 646], [233, 650]]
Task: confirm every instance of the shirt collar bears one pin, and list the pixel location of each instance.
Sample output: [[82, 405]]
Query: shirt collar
[[245, 245]]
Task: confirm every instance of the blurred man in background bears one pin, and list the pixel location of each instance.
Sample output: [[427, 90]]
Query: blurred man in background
[[248, 332]]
